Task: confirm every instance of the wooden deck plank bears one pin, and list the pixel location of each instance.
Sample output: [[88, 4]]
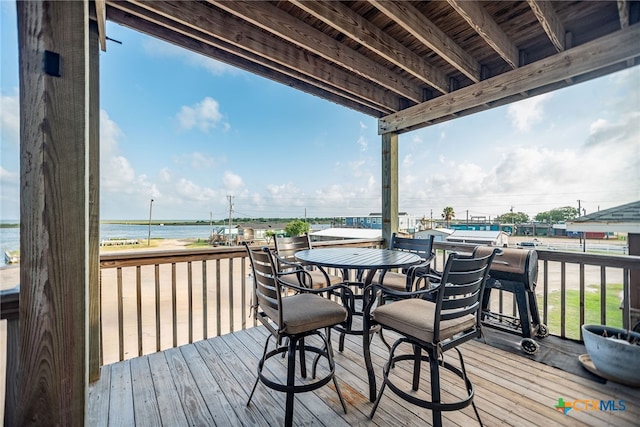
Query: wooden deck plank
[[212, 394], [236, 380], [303, 409], [215, 377], [171, 411], [121, 395], [449, 388], [99, 394], [543, 385], [192, 401], [145, 406]]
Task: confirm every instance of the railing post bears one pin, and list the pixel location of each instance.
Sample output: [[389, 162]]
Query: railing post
[[9, 309]]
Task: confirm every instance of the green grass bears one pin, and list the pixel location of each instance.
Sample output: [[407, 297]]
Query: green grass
[[591, 309], [200, 243]]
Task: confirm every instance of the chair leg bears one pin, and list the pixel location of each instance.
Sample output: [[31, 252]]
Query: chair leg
[[291, 379], [303, 360], [264, 352], [385, 376], [466, 381], [434, 369], [332, 366], [417, 359]]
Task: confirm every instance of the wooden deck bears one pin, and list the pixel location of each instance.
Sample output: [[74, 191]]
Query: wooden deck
[[207, 383]]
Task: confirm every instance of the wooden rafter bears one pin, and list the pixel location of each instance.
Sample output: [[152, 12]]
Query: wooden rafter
[[101, 17], [488, 29], [611, 49], [281, 24], [550, 22], [418, 25], [623, 11], [263, 68], [359, 29], [229, 33]]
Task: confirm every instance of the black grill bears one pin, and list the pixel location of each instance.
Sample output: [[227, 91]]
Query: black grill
[[515, 271]]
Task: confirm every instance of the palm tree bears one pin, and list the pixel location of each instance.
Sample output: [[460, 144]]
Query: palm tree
[[448, 214]]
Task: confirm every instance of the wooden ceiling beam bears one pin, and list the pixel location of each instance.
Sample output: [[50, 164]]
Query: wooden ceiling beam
[[420, 27], [101, 18], [623, 12], [483, 24], [272, 72], [275, 21], [609, 50], [356, 27], [230, 34], [550, 22]]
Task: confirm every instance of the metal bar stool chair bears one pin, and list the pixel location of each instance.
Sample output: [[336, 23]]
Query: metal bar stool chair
[[434, 319], [291, 314]]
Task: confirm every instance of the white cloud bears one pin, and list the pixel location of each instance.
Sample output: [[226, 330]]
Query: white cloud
[[232, 181], [165, 175], [159, 49], [363, 143], [526, 113], [597, 126], [8, 177], [196, 160], [204, 115], [10, 118]]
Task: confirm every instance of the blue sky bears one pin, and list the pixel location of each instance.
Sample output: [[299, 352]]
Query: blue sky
[[188, 131]]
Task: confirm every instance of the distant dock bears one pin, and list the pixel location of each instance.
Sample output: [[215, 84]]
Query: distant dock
[[119, 242]]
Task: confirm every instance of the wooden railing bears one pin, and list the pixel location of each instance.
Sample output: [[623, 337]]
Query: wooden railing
[[160, 299], [155, 300], [564, 274]]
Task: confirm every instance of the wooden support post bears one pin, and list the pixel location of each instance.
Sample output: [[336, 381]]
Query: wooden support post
[[634, 280], [389, 186], [94, 203], [9, 309], [52, 372]]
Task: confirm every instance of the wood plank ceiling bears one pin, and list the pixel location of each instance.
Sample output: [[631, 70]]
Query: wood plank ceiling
[[409, 63]]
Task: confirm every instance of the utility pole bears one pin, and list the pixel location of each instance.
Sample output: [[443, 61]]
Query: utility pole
[[230, 198], [210, 224], [582, 232], [149, 236]]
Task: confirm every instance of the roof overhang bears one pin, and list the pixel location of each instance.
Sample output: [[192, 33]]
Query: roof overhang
[[605, 227]]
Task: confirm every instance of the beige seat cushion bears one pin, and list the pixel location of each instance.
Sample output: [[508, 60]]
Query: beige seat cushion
[[318, 279], [414, 317], [392, 280], [307, 312]]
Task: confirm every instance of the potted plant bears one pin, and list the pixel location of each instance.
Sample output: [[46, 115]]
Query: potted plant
[[614, 352]]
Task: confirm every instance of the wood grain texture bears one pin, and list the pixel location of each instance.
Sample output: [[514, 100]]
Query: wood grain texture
[[549, 21], [54, 111], [229, 33], [389, 185], [358, 28], [582, 59], [94, 202], [216, 376], [273, 20]]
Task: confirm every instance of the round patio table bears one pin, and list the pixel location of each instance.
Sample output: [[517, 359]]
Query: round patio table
[[359, 259]]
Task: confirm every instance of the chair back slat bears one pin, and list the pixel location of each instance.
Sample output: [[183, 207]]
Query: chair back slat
[[286, 247], [420, 247], [463, 282], [266, 292]]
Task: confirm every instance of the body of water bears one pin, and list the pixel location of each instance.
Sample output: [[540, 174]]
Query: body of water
[[10, 237]]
